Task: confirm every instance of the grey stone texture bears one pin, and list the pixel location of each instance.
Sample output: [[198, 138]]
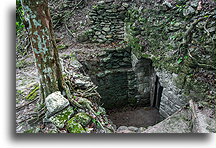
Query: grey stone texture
[[177, 123], [56, 102], [172, 98], [121, 78], [107, 21], [143, 70]]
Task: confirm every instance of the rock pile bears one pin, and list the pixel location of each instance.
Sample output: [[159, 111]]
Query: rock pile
[[130, 129], [66, 118], [107, 21]]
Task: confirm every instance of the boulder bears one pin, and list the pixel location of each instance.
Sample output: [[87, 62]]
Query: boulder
[[84, 36], [56, 102], [122, 128], [74, 127]]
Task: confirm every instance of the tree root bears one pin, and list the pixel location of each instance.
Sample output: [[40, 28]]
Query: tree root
[[188, 34], [201, 65]]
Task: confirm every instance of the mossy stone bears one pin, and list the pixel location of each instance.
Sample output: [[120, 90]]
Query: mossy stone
[[74, 127], [59, 119], [81, 118]]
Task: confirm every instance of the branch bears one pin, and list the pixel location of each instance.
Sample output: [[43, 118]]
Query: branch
[[188, 34], [201, 65]]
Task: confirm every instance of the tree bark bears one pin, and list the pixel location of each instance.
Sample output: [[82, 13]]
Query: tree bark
[[44, 47]]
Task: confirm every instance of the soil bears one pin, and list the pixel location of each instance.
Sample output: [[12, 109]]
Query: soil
[[138, 117]]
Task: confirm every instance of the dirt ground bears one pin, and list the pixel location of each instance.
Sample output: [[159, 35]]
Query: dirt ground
[[138, 117]]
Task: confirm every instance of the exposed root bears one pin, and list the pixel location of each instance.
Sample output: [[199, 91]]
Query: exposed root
[[20, 107]]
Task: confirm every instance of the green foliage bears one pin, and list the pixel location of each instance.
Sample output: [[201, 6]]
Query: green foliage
[[19, 16], [134, 44], [74, 127], [62, 46], [180, 60]]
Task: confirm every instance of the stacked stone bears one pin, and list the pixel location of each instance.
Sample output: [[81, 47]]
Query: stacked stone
[[121, 80], [107, 21], [112, 79], [116, 59]]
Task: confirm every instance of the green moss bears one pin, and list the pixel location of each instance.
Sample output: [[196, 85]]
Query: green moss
[[74, 127], [33, 94], [180, 80], [132, 101], [62, 117], [81, 118], [62, 46], [83, 37]]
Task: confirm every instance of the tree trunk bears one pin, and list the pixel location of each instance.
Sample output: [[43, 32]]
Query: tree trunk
[[44, 47]]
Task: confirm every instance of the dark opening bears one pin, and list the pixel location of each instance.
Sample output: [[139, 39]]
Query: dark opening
[[139, 116], [158, 94], [123, 90]]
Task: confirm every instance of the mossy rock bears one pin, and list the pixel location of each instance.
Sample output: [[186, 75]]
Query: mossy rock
[[81, 118], [74, 127], [180, 80], [59, 119]]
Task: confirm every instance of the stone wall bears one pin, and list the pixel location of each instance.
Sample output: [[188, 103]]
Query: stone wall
[[120, 81], [107, 21], [143, 71], [123, 79], [172, 98]]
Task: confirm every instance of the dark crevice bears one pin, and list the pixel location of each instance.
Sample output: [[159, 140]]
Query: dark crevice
[[158, 94]]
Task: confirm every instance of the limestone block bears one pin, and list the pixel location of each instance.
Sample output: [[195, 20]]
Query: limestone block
[[97, 33], [55, 102], [126, 5], [132, 128]]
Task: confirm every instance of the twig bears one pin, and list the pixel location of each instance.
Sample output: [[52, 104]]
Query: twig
[[188, 34], [68, 30], [91, 89], [19, 107]]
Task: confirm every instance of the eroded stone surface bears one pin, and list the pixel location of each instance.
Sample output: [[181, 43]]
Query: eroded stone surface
[[108, 26], [55, 102], [59, 119], [177, 123], [172, 98]]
